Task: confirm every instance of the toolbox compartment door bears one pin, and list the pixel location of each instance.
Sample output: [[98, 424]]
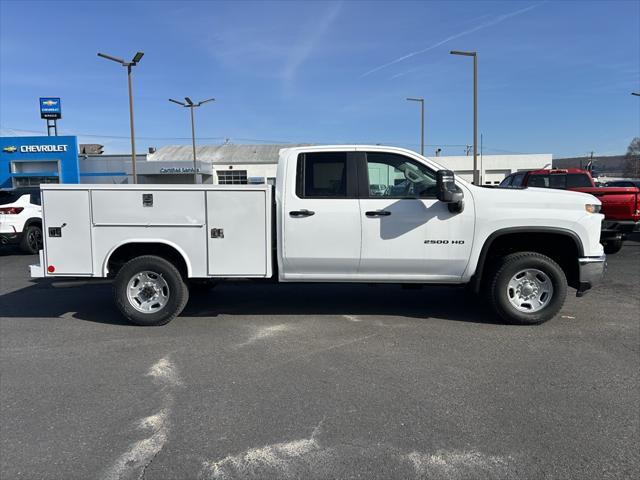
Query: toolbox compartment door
[[237, 233], [67, 232]]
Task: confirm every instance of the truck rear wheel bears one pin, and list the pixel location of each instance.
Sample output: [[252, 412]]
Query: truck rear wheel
[[150, 290], [527, 288]]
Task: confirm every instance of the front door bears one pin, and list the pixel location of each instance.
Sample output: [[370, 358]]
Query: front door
[[321, 218], [407, 233]]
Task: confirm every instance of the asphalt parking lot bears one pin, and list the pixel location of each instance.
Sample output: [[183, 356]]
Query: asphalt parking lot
[[317, 381]]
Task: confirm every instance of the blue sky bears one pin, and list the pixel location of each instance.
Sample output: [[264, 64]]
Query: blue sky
[[554, 77]]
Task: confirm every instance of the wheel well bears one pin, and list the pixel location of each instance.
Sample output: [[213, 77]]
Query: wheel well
[[128, 251], [561, 247], [33, 221]]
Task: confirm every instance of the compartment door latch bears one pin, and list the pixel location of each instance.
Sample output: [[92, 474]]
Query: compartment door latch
[[217, 233]]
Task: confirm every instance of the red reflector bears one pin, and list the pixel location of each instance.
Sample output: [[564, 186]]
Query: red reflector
[[51, 269], [11, 210]]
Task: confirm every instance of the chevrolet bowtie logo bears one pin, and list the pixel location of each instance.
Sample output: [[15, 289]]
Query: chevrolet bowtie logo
[[9, 149], [49, 103]]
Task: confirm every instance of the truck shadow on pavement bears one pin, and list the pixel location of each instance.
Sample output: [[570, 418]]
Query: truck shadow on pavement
[[6, 250], [93, 302]]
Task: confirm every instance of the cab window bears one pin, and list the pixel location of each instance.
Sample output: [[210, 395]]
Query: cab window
[[578, 180], [540, 181], [517, 180], [322, 175], [558, 180], [36, 198], [395, 176], [506, 182]]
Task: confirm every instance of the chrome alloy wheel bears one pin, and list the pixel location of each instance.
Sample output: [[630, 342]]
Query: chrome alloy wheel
[[530, 290], [148, 292]]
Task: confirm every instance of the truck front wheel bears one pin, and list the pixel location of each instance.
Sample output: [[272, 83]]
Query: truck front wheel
[[613, 246], [150, 290], [527, 288]]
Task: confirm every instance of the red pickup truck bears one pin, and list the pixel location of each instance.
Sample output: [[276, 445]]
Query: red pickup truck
[[620, 205]]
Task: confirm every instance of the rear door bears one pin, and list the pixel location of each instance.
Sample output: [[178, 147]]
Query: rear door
[[321, 217]]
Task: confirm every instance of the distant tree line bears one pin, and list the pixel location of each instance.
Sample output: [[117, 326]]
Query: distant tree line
[[632, 162]]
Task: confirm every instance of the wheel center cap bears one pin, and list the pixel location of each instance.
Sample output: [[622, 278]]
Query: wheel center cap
[[148, 292]]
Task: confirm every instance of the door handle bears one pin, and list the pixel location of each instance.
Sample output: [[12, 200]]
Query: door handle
[[301, 213], [378, 213]]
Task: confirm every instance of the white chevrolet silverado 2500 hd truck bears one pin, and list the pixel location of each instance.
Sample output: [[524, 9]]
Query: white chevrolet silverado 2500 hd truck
[[340, 214]]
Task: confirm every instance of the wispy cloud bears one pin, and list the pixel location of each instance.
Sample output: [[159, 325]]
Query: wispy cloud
[[308, 45], [490, 23]]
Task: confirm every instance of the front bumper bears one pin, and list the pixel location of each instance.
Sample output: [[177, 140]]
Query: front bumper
[[620, 226], [591, 272]]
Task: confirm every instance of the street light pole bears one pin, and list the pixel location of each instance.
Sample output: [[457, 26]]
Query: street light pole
[[637, 94], [476, 174], [421, 100], [133, 135], [193, 145], [191, 105], [136, 59]]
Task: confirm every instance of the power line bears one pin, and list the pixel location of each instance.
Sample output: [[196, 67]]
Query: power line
[[261, 140]]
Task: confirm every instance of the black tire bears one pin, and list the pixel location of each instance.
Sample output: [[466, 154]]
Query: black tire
[[613, 246], [177, 291], [31, 241], [511, 265]]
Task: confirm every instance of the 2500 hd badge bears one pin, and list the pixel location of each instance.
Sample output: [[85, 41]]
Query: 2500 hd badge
[[444, 242]]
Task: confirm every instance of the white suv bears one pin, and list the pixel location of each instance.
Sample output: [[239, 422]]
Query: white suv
[[21, 218]]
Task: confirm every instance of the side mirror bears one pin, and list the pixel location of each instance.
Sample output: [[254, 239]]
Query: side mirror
[[448, 192]]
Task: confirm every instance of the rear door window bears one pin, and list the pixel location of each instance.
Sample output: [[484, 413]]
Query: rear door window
[[322, 175], [577, 180], [540, 181], [558, 180]]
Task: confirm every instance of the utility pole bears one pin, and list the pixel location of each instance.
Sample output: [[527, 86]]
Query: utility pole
[[136, 59]]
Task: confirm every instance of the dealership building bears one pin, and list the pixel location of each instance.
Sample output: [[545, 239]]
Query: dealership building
[[257, 163], [28, 161]]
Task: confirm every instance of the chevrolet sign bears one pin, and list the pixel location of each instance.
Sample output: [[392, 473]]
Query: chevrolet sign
[[10, 149], [42, 148], [50, 108]]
